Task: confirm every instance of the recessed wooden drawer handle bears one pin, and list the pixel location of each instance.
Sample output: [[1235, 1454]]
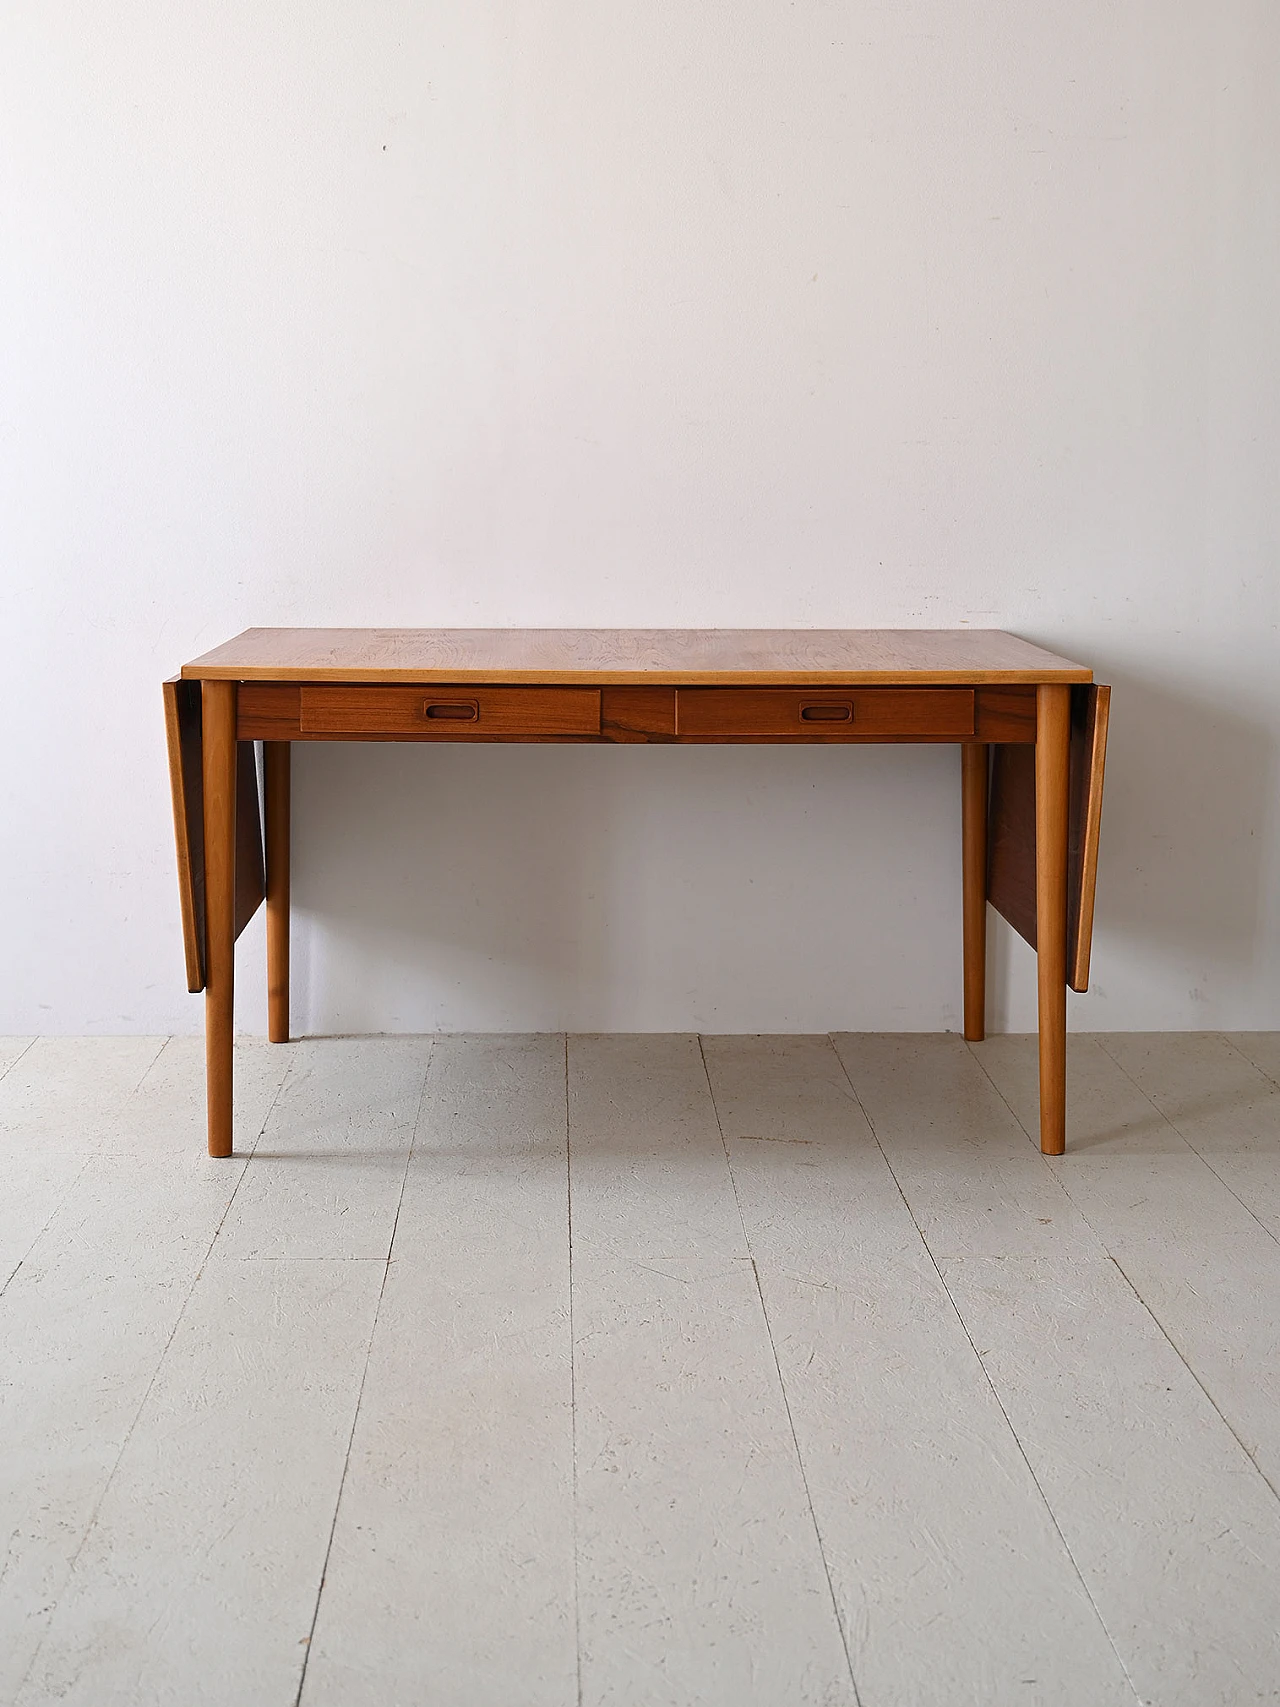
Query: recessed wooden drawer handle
[[453, 710], [824, 711]]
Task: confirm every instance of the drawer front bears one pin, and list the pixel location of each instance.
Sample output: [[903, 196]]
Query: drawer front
[[826, 714], [449, 712]]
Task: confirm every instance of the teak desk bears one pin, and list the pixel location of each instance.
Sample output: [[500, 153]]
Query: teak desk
[[1031, 728]]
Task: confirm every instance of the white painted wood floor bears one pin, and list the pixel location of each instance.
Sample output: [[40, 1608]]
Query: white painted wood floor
[[640, 1370]]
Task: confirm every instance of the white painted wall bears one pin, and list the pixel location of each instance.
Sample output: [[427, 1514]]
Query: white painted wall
[[552, 313]]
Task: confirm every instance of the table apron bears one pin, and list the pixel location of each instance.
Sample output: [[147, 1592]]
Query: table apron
[[519, 713]]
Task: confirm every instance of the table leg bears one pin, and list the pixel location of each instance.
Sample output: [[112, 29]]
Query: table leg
[[275, 764], [1053, 736], [973, 791], [218, 701]]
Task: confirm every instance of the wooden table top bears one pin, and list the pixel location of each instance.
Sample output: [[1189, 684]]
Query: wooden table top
[[609, 656]]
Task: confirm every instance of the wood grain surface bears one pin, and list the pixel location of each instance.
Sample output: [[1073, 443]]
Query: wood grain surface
[[1011, 867], [184, 725], [802, 714], [617, 655], [274, 712], [450, 712], [186, 783], [1053, 794], [1090, 716]]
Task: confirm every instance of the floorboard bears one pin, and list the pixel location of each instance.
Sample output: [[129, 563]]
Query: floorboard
[[1181, 1232], [700, 1573], [640, 1370], [1261, 1049], [974, 1180], [67, 1091], [1204, 1086], [197, 1581], [12, 1049], [451, 1578], [114, 1238], [83, 1327], [140, 1099], [1135, 1462], [1175, 1532], [327, 1173], [1108, 1114], [952, 1579]]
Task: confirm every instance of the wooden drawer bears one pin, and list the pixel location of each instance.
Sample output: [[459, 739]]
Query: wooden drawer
[[825, 713], [448, 712]]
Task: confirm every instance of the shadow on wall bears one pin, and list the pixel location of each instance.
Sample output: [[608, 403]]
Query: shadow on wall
[[1184, 829], [1182, 870], [633, 888], [739, 888], [446, 872]]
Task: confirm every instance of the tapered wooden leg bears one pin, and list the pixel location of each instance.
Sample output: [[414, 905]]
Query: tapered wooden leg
[[973, 794], [275, 764], [218, 701], [1053, 736]]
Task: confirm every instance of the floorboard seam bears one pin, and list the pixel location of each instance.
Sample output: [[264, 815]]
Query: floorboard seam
[[364, 1376], [1174, 1127], [1236, 1050], [1105, 1244], [155, 1375], [266, 1120], [782, 1386], [1168, 1337], [1008, 1421], [49, 1220], [1226, 1421], [1033, 1138], [150, 1067], [342, 1482], [71, 1183], [573, 1381], [30, 1045], [1055, 1174]]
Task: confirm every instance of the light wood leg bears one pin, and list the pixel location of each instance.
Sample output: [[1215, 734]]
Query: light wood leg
[[973, 792], [1053, 737], [218, 700], [275, 764]]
